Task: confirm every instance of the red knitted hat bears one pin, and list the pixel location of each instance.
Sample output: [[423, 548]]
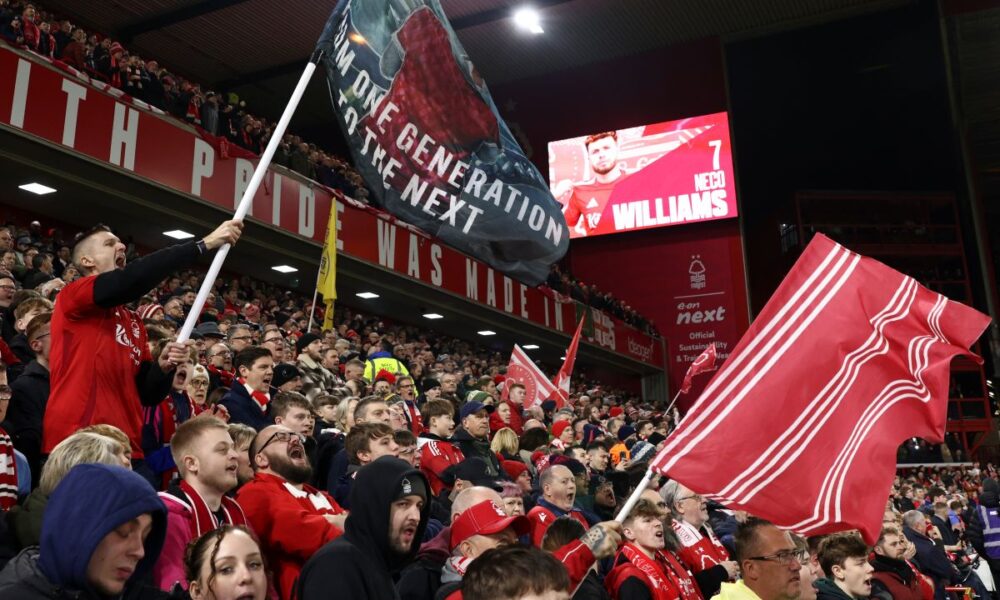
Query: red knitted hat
[[514, 468], [559, 427], [384, 375]]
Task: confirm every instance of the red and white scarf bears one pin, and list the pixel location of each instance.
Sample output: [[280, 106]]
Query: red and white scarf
[[8, 472], [225, 377], [667, 578], [204, 519], [262, 399]]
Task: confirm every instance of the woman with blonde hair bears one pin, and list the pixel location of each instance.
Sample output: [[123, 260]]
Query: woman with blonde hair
[[345, 413], [83, 447], [506, 443]]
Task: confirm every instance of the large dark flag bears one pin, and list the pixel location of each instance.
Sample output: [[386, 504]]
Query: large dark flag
[[801, 425], [426, 136]]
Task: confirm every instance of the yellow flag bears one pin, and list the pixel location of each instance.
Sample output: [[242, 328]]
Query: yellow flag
[[326, 283], [328, 316]]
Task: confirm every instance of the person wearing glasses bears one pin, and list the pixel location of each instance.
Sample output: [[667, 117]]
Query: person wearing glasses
[[239, 338], [275, 342], [220, 366], [700, 549], [292, 518], [406, 388], [770, 563], [644, 569]]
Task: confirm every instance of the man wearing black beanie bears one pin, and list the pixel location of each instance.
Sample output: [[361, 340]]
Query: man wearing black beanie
[[391, 507]]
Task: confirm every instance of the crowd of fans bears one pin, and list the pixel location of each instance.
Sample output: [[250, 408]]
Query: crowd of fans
[[222, 115], [268, 459], [563, 282]]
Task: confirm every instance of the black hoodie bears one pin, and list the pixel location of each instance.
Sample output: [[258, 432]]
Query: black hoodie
[[360, 564]]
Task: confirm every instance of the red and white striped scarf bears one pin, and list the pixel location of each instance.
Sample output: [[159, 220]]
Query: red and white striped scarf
[[8, 472], [260, 398]]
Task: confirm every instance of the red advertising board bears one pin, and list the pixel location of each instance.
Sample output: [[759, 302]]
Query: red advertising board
[[670, 173], [67, 110]]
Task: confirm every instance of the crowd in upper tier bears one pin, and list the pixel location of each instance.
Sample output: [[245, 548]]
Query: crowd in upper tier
[[223, 115]]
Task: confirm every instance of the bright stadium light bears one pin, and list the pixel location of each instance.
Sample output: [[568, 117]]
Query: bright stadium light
[[528, 19], [530, 346], [284, 269], [37, 188], [178, 234], [433, 316], [367, 295], [486, 332]]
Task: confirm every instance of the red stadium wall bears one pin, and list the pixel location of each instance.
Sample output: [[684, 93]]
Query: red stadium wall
[[647, 269]]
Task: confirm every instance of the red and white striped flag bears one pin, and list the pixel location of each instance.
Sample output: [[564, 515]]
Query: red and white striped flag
[[704, 363], [801, 425], [562, 378], [523, 370]]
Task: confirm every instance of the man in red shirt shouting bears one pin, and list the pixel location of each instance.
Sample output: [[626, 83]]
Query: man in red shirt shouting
[[101, 367]]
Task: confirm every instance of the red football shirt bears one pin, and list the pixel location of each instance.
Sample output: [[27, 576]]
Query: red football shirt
[[95, 356]]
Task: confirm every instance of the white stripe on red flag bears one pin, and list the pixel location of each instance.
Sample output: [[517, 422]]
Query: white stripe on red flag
[[801, 425], [524, 371]]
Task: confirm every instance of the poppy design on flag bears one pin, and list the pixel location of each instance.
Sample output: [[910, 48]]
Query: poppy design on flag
[[523, 370], [801, 425]]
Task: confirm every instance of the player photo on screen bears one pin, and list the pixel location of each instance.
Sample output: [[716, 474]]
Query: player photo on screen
[[651, 176]]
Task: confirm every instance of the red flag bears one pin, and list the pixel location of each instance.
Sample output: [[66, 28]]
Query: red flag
[[523, 370], [704, 363], [561, 380], [801, 425]]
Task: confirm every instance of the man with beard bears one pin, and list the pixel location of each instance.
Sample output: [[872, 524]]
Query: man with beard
[[770, 561], [207, 463], [702, 552], [316, 379], [643, 569], [292, 519], [585, 202], [391, 509], [558, 486], [894, 577]]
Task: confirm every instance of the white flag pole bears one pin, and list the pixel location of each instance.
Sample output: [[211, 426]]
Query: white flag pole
[[247, 200]]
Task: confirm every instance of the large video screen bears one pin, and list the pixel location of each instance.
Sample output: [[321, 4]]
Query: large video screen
[[658, 175]]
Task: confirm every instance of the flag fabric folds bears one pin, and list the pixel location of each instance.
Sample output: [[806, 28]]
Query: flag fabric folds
[[523, 370], [428, 139], [704, 363], [801, 424], [326, 283], [562, 379]]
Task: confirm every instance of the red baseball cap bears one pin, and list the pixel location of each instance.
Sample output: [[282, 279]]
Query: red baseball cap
[[485, 518]]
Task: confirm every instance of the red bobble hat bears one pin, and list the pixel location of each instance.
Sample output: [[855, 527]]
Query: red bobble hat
[[514, 468]]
